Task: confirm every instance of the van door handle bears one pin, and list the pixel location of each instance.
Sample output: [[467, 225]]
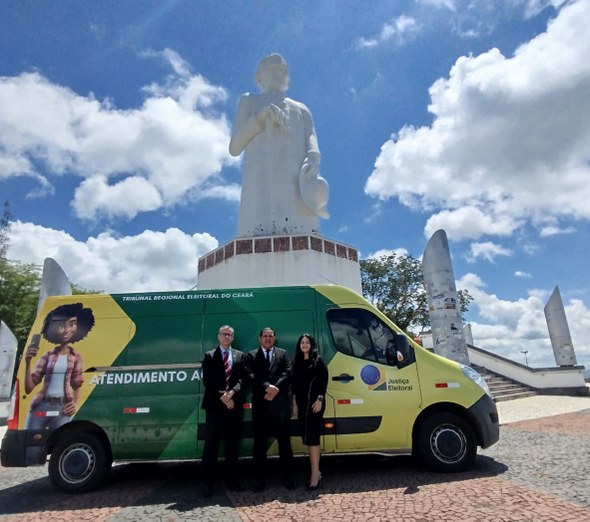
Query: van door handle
[[344, 377]]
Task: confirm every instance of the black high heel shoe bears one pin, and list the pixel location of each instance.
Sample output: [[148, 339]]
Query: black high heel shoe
[[317, 486]]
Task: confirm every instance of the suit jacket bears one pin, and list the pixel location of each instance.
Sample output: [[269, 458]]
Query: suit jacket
[[214, 378], [262, 376]]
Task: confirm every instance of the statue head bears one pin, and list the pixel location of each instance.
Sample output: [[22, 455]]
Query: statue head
[[272, 73]]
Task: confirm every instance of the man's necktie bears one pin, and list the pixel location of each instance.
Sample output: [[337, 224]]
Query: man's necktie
[[227, 367]]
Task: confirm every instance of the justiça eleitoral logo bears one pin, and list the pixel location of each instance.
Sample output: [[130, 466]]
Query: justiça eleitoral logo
[[373, 377]]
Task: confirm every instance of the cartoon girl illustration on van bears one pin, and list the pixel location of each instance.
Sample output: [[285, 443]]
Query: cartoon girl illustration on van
[[60, 369]]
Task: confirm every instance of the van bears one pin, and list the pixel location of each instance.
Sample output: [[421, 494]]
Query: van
[[134, 376]]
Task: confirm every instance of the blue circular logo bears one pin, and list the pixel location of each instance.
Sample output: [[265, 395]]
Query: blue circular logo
[[370, 374]]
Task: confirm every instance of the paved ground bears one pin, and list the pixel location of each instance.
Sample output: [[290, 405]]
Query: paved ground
[[538, 471]]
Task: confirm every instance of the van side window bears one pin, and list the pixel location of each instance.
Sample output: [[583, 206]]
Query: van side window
[[359, 333]]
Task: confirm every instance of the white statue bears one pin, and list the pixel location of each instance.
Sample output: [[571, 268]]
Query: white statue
[[282, 190]]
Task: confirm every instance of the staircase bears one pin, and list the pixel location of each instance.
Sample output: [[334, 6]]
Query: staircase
[[502, 388]]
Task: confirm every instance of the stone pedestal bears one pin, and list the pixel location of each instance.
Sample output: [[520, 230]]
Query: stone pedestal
[[288, 260]]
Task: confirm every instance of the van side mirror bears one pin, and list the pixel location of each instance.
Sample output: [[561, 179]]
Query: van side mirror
[[398, 350]]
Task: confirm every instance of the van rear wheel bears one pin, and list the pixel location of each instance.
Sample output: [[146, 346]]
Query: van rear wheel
[[79, 462], [446, 443]]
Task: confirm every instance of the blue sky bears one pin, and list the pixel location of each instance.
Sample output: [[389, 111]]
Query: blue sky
[[470, 116]]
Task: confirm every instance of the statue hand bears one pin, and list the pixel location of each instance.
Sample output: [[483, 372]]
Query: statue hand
[[311, 165], [272, 113]]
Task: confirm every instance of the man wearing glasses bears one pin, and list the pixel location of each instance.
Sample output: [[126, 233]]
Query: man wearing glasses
[[223, 371]]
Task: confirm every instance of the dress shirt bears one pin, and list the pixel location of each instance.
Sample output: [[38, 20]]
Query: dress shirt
[[230, 357]]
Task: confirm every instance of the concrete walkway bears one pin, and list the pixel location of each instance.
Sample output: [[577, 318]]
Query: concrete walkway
[[539, 406]]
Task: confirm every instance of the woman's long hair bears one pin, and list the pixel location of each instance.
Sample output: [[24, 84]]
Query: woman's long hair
[[313, 352]]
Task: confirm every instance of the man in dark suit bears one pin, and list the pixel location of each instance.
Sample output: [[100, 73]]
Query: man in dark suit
[[269, 370], [223, 373]]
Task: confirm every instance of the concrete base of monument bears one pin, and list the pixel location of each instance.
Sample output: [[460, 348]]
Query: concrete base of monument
[[290, 260]]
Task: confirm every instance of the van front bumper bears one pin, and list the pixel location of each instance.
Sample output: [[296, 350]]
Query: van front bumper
[[484, 413], [22, 448]]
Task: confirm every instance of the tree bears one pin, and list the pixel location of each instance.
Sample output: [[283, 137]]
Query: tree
[[19, 287], [19, 294], [395, 285]]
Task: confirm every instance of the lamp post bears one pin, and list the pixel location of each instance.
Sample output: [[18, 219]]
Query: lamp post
[[525, 357]]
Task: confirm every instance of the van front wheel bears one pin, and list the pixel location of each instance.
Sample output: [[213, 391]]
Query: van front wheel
[[79, 462], [446, 443]]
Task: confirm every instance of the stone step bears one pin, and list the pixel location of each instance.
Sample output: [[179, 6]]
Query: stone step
[[506, 386], [504, 389], [494, 378], [515, 395]]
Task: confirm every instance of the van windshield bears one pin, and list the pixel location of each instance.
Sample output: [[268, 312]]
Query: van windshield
[[360, 333]]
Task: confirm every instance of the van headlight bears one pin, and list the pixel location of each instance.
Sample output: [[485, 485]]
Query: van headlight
[[476, 378]]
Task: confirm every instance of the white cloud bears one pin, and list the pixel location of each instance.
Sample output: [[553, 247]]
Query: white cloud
[[467, 222], [520, 273], [472, 17], [230, 192], [509, 327], [388, 252], [155, 156], [150, 261], [401, 28], [488, 250], [126, 198], [448, 4], [554, 231], [510, 136], [513, 314], [534, 7]]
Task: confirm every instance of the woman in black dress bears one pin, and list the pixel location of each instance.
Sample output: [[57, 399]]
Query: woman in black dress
[[310, 380]]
